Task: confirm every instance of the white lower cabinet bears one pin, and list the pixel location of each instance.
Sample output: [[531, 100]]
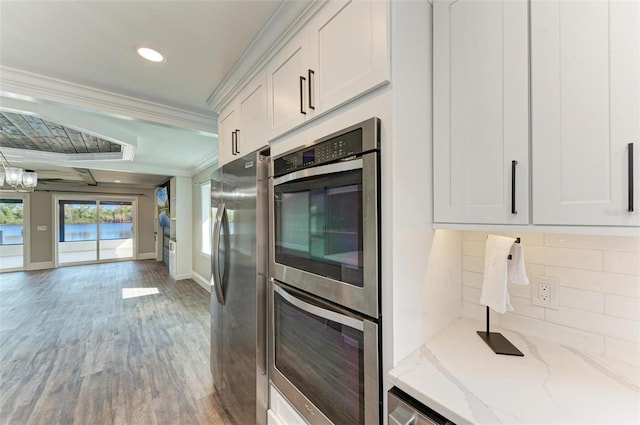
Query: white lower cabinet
[[281, 412], [585, 110]]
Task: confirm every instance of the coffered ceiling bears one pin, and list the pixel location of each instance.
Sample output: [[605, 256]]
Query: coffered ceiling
[[27, 132]]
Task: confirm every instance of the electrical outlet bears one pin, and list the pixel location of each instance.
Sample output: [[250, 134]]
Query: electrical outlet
[[544, 291]]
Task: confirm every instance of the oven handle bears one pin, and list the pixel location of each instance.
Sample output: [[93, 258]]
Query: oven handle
[[318, 311], [336, 167]]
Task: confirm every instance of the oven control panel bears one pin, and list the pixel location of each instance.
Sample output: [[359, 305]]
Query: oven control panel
[[334, 149]]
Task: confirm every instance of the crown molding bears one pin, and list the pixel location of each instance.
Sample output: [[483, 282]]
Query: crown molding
[[288, 19], [15, 83], [204, 164]]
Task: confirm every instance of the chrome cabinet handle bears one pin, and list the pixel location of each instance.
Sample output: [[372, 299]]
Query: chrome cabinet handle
[[302, 80], [310, 75], [630, 173], [513, 187]]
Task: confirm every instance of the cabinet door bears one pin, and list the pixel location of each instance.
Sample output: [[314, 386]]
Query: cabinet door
[[349, 51], [228, 123], [481, 112], [253, 116], [585, 110], [287, 86]]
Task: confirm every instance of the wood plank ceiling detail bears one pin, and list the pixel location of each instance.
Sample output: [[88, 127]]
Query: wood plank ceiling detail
[[33, 133]]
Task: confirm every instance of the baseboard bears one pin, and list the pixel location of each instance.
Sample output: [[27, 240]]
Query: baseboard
[[201, 281], [40, 266], [146, 256]]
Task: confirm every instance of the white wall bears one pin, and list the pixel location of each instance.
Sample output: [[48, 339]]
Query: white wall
[[183, 225], [426, 266], [201, 263], [599, 291]]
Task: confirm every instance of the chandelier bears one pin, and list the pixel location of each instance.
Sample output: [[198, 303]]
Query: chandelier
[[19, 179]]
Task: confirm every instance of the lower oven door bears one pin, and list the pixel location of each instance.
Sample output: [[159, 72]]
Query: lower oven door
[[324, 360]]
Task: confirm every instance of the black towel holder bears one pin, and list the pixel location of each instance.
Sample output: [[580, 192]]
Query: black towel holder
[[495, 340]]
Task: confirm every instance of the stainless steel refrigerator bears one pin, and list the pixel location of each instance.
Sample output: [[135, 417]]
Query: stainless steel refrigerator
[[238, 293]]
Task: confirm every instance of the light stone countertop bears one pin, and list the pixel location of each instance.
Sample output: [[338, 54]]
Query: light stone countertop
[[459, 376]]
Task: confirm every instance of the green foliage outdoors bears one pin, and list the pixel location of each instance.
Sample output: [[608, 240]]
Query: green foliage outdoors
[[11, 214], [86, 214]]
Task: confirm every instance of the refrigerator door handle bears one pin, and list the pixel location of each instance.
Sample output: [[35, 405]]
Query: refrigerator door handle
[[215, 257]]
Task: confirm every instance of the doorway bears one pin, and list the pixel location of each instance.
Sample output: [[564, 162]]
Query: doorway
[[95, 230], [14, 226]]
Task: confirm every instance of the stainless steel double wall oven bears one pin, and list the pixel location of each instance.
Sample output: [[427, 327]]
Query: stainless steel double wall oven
[[325, 276]]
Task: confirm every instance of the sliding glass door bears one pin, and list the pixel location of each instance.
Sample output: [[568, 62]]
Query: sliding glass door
[[12, 233], [115, 239], [78, 232], [95, 230]]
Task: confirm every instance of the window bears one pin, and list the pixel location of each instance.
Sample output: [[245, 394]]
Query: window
[[205, 219]]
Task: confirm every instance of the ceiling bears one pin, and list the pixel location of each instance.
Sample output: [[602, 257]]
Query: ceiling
[[73, 64]]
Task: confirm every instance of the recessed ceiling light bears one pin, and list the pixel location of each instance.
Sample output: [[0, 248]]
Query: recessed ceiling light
[[150, 54], [117, 181]]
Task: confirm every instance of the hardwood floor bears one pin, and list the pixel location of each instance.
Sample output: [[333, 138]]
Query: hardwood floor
[[96, 345]]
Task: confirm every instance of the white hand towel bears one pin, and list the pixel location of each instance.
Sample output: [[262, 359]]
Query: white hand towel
[[494, 284], [516, 272]]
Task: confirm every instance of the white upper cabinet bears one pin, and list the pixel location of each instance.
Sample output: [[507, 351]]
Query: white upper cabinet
[[342, 53], [228, 123], [242, 126], [349, 52], [481, 110], [252, 104], [585, 79], [287, 86]]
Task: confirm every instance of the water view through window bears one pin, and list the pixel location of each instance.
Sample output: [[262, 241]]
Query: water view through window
[[95, 230], [11, 234]]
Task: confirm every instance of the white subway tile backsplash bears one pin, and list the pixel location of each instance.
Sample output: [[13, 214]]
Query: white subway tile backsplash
[[586, 259], [599, 291], [531, 238], [625, 307], [473, 248], [523, 291], [582, 300], [525, 238], [622, 262], [603, 243], [523, 307], [615, 327], [471, 294], [533, 269], [609, 283], [479, 312], [472, 279], [473, 264], [475, 236]]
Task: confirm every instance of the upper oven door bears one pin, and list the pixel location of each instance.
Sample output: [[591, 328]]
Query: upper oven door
[[325, 232]]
